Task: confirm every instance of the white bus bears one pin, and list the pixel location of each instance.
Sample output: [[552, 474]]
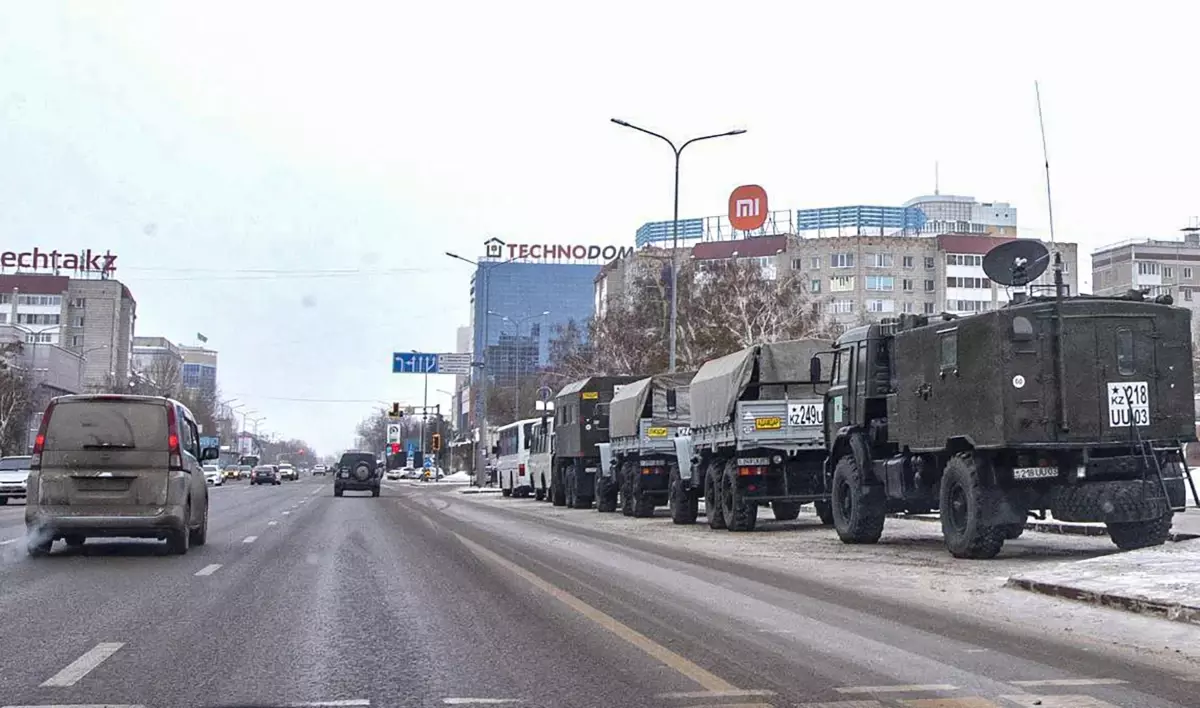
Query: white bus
[[512, 457], [541, 453]]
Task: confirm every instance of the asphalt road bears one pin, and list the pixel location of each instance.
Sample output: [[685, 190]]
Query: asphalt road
[[423, 598]]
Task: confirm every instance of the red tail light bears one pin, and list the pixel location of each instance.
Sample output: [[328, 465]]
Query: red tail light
[[751, 471], [176, 460], [39, 443], [521, 470]]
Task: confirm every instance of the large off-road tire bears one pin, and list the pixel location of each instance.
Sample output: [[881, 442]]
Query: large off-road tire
[[643, 506], [558, 489], [337, 491], [375, 491], [962, 503], [627, 489], [506, 492], [1129, 536], [712, 495], [1012, 531], [824, 511], [606, 495], [858, 510], [199, 536], [539, 495], [741, 514], [785, 510], [685, 506]]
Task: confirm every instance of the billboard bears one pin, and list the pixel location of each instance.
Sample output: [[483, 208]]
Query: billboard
[[658, 231], [748, 207], [859, 217]]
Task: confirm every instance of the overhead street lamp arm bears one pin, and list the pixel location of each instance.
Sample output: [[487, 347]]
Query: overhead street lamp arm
[[710, 137], [627, 124]]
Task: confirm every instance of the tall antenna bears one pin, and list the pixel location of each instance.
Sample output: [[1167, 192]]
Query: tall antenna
[[1046, 156], [936, 179]]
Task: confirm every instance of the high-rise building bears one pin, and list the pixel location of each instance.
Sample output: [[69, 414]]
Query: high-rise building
[[1157, 266], [199, 369], [92, 317]]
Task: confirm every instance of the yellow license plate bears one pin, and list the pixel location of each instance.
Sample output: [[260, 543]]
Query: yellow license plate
[[767, 423], [656, 432], [590, 395]]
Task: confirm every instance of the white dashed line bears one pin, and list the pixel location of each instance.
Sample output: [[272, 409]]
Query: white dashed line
[[478, 701], [250, 539], [83, 665], [286, 513], [5, 543], [1070, 682], [80, 705], [912, 688], [209, 569], [1062, 700], [713, 694], [331, 704], [272, 523]]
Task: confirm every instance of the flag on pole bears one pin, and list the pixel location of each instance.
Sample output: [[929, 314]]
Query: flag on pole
[[201, 337]]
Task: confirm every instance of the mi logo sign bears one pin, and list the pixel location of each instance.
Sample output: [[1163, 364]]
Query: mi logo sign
[[494, 248], [748, 207]]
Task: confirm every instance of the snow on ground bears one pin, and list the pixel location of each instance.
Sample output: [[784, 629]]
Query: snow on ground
[[910, 564]]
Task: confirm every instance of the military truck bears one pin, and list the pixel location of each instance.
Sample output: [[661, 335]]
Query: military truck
[[756, 435], [581, 411], [1073, 405], [639, 462]]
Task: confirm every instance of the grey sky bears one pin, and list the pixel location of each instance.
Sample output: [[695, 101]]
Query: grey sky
[[238, 156]]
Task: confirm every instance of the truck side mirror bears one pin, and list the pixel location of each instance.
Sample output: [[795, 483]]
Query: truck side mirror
[[814, 369], [672, 400]]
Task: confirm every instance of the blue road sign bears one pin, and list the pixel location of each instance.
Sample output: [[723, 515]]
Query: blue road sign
[[414, 363], [428, 462]]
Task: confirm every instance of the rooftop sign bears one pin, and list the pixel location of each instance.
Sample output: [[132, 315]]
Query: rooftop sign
[[86, 261], [554, 252]]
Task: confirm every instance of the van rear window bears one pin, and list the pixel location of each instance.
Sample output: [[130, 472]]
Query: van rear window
[[107, 425]]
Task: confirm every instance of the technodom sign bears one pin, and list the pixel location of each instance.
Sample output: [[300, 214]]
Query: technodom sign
[[539, 252]]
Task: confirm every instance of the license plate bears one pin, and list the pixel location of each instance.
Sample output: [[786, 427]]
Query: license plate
[[805, 414], [683, 432], [767, 423], [753, 462], [1034, 472], [656, 432], [1128, 402]]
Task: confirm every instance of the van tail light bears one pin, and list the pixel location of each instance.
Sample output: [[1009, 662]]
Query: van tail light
[[521, 470], [651, 470], [751, 471], [39, 443], [176, 460]]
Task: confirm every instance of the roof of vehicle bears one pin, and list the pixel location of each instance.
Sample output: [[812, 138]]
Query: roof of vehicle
[[270, 468], [122, 397], [16, 457]]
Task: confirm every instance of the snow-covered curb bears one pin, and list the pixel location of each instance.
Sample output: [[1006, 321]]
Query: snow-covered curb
[[479, 490]]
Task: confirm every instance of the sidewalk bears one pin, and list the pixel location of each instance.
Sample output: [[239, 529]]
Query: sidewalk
[[1162, 581]]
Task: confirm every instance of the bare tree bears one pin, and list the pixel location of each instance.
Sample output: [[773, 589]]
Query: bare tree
[[16, 399], [164, 377]]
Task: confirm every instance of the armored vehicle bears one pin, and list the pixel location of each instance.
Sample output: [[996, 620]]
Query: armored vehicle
[[756, 435], [639, 462], [580, 423], [1073, 405]]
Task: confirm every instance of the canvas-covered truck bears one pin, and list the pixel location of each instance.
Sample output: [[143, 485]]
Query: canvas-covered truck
[[756, 434], [581, 414], [1073, 405], [636, 466]]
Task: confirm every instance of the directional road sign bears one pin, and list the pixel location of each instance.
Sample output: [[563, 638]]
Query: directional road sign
[[414, 363], [393, 433], [454, 364]]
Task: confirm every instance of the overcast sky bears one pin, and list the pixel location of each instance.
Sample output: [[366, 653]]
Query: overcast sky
[[285, 179]]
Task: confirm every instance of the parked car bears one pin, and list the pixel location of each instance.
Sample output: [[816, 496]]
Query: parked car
[[212, 476], [14, 476], [393, 474], [117, 465]]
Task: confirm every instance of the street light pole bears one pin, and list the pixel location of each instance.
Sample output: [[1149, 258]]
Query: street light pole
[[675, 223]]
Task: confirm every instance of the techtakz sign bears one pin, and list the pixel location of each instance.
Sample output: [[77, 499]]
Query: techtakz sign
[[553, 251], [86, 261]]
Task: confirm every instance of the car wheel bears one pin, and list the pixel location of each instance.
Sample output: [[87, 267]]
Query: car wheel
[[3, 501], [200, 535], [375, 491], [74, 541], [337, 491], [178, 540], [38, 547]]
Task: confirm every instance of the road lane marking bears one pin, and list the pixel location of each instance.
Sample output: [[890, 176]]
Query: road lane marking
[[315, 704], [83, 665], [733, 705], [967, 702], [1058, 701], [272, 523], [683, 695], [910, 688], [1069, 682], [707, 680], [286, 513], [842, 704], [5, 543], [80, 705], [478, 701], [208, 569], [250, 539]]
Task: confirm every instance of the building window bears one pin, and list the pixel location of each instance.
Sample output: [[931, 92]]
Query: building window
[[77, 340], [964, 259], [841, 283], [40, 338], [881, 306], [907, 285], [1187, 273], [880, 260], [37, 319], [77, 321], [814, 263], [841, 260], [3, 317], [1147, 268], [967, 283], [928, 286], [1187, 294], [929, 308], [949, 349], [40, 300], [1167, 271], [79, 302], [881, 282], [797, 263], [968, 305], [907, 261], [907, 307], [842, 307], [5, 298], [814, 286], [929, 262]]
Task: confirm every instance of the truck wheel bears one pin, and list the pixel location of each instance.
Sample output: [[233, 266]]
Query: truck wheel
[[1012, 531], [740, 513], [627, 489], [337, 491], [506, 492], [539, 494], [962, 503], [785, 510], [606, 495], [712, 496], [858, 513], [643, 506], [558, 493], [685, 506], [824, 512], [1140, 534]]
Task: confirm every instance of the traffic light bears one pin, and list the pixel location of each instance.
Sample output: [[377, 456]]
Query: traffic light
[[437, 442], [395, 410], [395, 448]]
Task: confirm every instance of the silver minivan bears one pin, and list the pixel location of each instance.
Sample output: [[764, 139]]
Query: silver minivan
[[110, 465]]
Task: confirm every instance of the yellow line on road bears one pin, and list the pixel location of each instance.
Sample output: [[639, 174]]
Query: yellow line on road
[[707, 680]]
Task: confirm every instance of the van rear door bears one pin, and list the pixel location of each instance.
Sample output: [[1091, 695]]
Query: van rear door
[[106, 453]]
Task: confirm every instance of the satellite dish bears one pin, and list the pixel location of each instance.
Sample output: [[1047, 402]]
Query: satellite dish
[[1016, 262]]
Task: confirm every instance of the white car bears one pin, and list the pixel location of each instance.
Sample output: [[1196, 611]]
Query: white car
[[288, 472], [213, 476], [393, 475], [14, 476]]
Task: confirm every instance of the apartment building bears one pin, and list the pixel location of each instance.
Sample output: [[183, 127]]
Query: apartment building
[[1158, 266]]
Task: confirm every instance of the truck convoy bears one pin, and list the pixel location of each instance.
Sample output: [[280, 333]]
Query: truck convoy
[[1075, 406]]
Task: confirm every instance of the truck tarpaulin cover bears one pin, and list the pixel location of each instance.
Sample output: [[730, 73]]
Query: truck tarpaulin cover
[[629, 404], [721, 382]]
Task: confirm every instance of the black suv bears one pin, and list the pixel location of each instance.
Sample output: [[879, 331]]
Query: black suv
[[357, 472]]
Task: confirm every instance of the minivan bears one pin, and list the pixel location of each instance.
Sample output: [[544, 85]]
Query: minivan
[[113, 465]]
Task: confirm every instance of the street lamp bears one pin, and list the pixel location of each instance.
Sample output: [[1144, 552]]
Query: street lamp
[[675, 221], [517, 322]]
